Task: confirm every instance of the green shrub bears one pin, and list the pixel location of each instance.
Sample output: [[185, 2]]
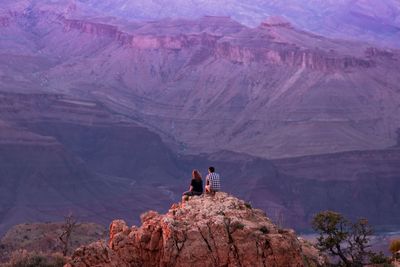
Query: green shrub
[[248, 205], [238, 225], [379, 258], [345, 240], [264, 229]]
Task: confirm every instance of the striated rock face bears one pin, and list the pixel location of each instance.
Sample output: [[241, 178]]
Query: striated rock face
[[211, 84], [229, 41], [366, 20], [205, 231]]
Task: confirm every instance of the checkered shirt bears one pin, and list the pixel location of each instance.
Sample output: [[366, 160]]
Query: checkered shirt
[[214, 181]]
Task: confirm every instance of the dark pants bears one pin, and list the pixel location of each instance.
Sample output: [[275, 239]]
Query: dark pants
[[192, 193]]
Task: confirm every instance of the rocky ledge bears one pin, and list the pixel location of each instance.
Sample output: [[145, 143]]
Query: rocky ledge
[[218, 230]]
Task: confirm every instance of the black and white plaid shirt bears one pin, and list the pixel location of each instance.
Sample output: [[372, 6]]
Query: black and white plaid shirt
[[214, 181]]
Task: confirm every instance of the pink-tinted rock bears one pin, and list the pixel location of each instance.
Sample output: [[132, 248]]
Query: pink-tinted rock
[[205, 231]]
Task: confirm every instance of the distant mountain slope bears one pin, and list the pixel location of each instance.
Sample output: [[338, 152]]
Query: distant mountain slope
[[60, 155], [372, 21], [292, 191], [272, 91], [368, 20]]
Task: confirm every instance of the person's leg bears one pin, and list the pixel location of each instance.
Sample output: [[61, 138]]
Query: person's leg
[[185, 196], [207, 189]]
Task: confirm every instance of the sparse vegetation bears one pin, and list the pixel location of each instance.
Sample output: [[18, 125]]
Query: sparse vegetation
[[264, 229], [36, 244], [240, 226], [248, 205], [68, 227], [22, 258], [379, 258]]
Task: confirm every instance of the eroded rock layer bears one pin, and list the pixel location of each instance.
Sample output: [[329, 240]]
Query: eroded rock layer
[[218, 230]]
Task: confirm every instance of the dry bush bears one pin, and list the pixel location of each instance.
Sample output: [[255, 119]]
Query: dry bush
[[394, 246], [23, 258]]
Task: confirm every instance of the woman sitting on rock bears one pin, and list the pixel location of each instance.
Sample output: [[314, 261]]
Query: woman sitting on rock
[[196, 186]]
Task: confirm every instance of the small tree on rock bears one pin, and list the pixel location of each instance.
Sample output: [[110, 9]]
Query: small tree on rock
[[341, 238], [68, 227]]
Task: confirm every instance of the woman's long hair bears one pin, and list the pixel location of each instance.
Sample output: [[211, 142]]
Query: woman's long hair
[[196, 175]]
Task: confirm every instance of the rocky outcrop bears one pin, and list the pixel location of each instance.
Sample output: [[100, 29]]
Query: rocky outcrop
[[233, 47], [218, 230], [97, 30], [276, 21], [291, 56], [140, 39], [225, 39], [91, 27]]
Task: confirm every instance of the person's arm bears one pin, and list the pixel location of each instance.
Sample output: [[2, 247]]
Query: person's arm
[[191, 186]]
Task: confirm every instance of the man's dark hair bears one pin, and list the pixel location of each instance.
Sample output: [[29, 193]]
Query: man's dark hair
[[211, 169]]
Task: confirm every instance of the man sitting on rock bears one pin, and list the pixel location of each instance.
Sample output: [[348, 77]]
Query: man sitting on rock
[[213, 183]]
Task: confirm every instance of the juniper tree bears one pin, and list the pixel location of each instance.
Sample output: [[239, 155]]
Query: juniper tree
[[341, 238]]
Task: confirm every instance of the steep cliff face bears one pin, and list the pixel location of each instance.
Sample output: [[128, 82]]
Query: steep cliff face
[[215, 230], [293, 57], [349, 19], [225, 39]]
